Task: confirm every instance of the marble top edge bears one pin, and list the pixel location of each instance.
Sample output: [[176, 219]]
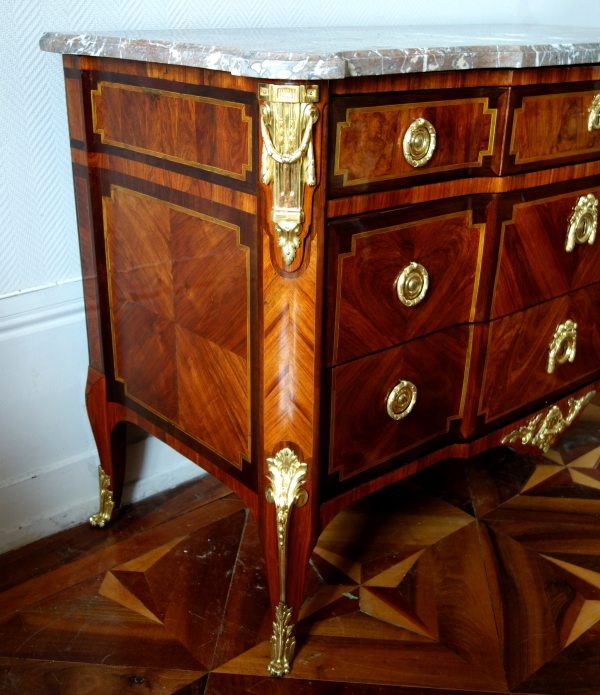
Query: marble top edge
[[338, 52]]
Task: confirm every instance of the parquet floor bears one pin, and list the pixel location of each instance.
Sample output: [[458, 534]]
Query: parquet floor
[[474, 577]]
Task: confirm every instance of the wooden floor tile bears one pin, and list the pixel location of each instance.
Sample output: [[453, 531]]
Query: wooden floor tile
[[47, 554], [102, 560], [411, 662], [472, 577], [25, 676]]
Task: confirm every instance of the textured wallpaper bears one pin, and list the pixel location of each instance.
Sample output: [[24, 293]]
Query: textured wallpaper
[[38, 241]]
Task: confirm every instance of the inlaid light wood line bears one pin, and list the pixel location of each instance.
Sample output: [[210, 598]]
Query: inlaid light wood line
[[394, 228], [547, 97], [247, 166], [371, 202], [338, 171], [463, 397], [235, 228], [485, 367], [513, 219]]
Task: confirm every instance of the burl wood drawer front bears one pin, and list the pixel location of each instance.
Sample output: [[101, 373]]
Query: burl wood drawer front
[[519, 351], [179, 291], [548, 245], [209, 130], [399, 275], [387, 141], [363, 434], [552, 126]]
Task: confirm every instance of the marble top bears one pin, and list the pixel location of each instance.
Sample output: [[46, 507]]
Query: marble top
[[335, 53]]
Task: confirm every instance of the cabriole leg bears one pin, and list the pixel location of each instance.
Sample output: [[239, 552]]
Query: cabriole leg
[[111, 449]]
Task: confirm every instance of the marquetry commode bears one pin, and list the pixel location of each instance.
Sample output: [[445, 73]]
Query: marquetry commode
[[316, 272]]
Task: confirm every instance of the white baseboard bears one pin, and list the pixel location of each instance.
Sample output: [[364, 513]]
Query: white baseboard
[[48, 458]]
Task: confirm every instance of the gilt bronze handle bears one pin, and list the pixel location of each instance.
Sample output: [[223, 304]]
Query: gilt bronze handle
[[583, 222], [594, 117], [563, 345]]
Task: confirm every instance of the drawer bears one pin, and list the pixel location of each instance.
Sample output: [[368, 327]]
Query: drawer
[[553, 126], [548, 245], [517, 370], [362, 432], [396, 276], [386, 141]]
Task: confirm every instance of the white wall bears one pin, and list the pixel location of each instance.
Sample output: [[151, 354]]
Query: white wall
[[47, 455]]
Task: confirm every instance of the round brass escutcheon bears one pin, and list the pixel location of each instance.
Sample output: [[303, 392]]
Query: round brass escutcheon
[[412, 284], [419, 142], [583, 222], [401, 400]]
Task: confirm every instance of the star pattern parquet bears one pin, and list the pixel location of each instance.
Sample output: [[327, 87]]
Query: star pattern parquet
[[471, 577]]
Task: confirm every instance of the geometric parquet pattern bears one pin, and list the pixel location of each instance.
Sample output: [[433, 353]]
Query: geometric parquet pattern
[[480, 576]]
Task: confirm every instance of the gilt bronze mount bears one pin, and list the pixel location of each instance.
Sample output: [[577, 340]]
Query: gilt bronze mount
[[287, 116]]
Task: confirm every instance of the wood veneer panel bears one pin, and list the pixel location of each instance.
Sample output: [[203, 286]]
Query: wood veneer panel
[[549, 126], [367, 255], [145, 355], [180, 298], [362, 433], [517, 352], [367, 150], [199, 131], [75, 109], [89, 273], [210, 278], [533, 263], [212, 392]]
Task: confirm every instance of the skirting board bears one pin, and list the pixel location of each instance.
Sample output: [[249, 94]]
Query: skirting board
[[48, 458]]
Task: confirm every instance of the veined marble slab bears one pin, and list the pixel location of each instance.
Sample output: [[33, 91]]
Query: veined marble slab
[[338, 52]]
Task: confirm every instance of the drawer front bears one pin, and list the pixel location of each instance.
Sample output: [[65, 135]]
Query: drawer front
[[548, 247], [387, 141], [363, 434], [400, 275], [519, 349], [553, 127]]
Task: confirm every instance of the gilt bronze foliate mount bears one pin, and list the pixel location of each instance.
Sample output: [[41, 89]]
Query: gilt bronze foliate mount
[[285, 490], [107, 504], [543, 429], [287, 116]]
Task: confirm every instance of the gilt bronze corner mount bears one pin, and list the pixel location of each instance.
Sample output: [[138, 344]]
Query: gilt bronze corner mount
[[287, 116]]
